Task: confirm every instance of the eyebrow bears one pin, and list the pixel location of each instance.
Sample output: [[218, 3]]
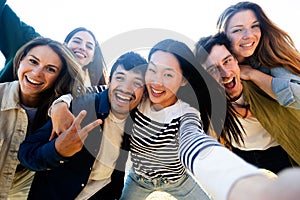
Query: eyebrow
[[33, 56], [241, 25], [213, 65], [82, 40], [230, 55], [167, 68], [52, 65], [119, 73], [122, 73], [153, 63]]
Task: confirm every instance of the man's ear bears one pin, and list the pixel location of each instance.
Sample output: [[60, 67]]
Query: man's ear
[[183, 82]]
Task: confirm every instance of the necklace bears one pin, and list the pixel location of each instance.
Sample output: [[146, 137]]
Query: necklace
[[240, 103]]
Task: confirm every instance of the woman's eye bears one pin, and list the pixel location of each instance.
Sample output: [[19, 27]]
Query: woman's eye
[[168, 75], [236, 30], [33, 61], [256, 26], [76, 41], [51, 69], [90, 47]]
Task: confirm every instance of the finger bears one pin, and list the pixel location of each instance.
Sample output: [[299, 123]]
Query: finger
[[77, 121], [85, 130], [52, 136]]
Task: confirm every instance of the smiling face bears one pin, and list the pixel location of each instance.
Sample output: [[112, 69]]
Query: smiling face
[[83, 46], [244, 32], [221, 61], [163, 79], [126, 90], [37, 72]]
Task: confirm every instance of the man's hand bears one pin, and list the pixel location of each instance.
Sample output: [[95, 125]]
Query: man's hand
[[72, 140]]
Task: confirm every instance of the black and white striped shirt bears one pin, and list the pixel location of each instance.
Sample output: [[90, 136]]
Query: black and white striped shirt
[[156, 136]]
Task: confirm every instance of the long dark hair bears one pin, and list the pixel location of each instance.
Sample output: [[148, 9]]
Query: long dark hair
[[97, 68], [196, 92]]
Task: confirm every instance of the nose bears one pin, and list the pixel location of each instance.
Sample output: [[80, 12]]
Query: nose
[[157, 79], [82, 46], [247, 33], [224, 72], [127, 87], [37, 70]]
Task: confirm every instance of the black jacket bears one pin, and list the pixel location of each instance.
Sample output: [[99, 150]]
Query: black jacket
[[64, 178]]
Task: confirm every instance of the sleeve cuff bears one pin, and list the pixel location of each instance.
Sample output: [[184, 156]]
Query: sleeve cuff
[[52, 156], [67, 98], [282, 90]]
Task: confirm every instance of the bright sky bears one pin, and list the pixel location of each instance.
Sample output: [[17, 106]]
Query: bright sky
[[110, 19]]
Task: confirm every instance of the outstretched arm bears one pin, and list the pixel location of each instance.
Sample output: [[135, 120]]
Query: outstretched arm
[[223, 174], [286, 186], [13, 34]]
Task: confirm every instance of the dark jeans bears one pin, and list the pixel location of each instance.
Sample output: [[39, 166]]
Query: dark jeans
[[274, 159]]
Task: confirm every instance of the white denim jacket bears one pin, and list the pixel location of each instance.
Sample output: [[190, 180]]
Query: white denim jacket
[[13, 123], [286, 86]]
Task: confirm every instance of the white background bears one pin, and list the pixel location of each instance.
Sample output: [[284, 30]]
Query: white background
[[192, 18]]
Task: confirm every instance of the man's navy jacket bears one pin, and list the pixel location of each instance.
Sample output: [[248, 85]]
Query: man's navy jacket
[[59, 178]]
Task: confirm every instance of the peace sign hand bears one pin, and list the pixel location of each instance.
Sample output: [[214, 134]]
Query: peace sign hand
[[72, 140]]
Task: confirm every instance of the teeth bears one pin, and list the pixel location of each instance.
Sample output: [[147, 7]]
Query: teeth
[[124, 98], [80, 54], [228, 81], [156, 91], [33, 81], [247, 45]]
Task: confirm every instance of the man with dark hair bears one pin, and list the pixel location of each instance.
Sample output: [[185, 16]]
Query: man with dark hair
[[271, 139], [85, 161]]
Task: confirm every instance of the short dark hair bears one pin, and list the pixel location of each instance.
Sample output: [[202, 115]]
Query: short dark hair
[[130, 61], [232, 129], [205, 45]]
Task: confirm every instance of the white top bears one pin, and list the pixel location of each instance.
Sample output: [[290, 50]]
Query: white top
[[256, 137], [105, 162]]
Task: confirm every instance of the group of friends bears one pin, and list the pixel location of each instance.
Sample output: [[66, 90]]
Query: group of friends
[[68, 129]]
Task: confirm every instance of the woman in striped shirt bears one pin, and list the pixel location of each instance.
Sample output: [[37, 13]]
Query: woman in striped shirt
[[155, 137], [168, 131]]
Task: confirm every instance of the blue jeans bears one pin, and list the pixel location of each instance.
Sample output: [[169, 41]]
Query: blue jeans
[[186, 188]]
